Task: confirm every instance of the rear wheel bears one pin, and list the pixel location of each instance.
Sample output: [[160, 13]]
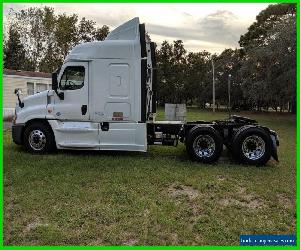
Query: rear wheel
[[39, 138], [204, 144], [252, 145]]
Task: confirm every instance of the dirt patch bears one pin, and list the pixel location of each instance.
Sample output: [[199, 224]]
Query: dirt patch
[[195, 209], [33, 225], [174, 237], [241, 190], [284, 201], [248, 197], [249, 200], [254, 203], [96, 243], [244, 199], [198, 239], [178, 190], [130, 242], [221, 178]]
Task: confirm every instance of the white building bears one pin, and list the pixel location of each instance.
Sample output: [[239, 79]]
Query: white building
[[29, 83]]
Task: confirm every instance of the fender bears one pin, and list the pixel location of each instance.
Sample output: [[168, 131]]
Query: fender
[[54, 124]]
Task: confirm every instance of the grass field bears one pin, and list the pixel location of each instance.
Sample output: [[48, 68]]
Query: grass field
[[154, 198]]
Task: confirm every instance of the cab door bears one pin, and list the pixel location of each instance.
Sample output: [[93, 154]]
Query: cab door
[[73, 83]]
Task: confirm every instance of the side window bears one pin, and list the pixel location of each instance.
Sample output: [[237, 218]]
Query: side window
[[72, 78]]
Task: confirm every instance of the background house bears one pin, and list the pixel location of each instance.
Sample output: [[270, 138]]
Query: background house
[[29, 83]]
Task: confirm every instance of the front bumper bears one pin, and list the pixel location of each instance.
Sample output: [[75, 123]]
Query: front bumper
[[17, 132]]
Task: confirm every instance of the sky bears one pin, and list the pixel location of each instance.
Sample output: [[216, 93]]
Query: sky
[[210, 27]]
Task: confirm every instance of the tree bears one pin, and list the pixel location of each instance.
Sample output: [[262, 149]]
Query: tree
[[101, 33], [86, 28], [198, 78], [51, 60], [179, 69], [171, 64], [47, 38], [258, 33], [229, 63], [35, 26], [14, 52], [269, 66], [66, 33], [165, 73]]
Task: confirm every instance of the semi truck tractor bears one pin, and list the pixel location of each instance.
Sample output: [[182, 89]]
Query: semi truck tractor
[[103, 97]]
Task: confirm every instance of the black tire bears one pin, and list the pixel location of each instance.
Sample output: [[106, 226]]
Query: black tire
[[45, 136], [208, 136], [252, 145], [229, 145]]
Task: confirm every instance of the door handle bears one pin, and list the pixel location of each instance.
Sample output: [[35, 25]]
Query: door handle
[[104, 126], [83, 109]]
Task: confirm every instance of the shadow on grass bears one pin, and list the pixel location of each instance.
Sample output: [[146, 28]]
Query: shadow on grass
[[171, 153]]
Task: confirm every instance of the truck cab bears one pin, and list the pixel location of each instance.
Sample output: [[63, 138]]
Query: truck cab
[[104, 98], [101, 95]]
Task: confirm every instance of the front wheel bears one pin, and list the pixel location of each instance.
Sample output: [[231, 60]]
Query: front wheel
[[204, 144], [39, 138]]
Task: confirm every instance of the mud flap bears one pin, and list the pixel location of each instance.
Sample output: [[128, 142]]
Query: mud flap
[[275, 143]]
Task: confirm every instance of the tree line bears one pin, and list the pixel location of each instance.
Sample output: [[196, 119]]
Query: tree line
[[262, 72], [38, 39]]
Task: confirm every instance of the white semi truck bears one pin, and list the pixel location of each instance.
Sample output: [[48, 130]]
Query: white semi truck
[[104, 98]]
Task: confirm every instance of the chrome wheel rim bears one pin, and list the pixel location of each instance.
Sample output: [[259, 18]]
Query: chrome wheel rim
[[204, 146], [37, 139], [253, 147]]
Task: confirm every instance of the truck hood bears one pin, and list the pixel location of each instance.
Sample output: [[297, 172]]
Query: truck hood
[[35, 106], [38, 96], [36, 99]]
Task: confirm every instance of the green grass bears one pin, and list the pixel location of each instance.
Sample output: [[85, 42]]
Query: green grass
[[156, 198]]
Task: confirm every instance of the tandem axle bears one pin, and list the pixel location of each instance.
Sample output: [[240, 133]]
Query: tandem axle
[[248, 141]]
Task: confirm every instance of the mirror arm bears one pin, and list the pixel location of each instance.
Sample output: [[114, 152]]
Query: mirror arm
[[21, 104], [17, 93]]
